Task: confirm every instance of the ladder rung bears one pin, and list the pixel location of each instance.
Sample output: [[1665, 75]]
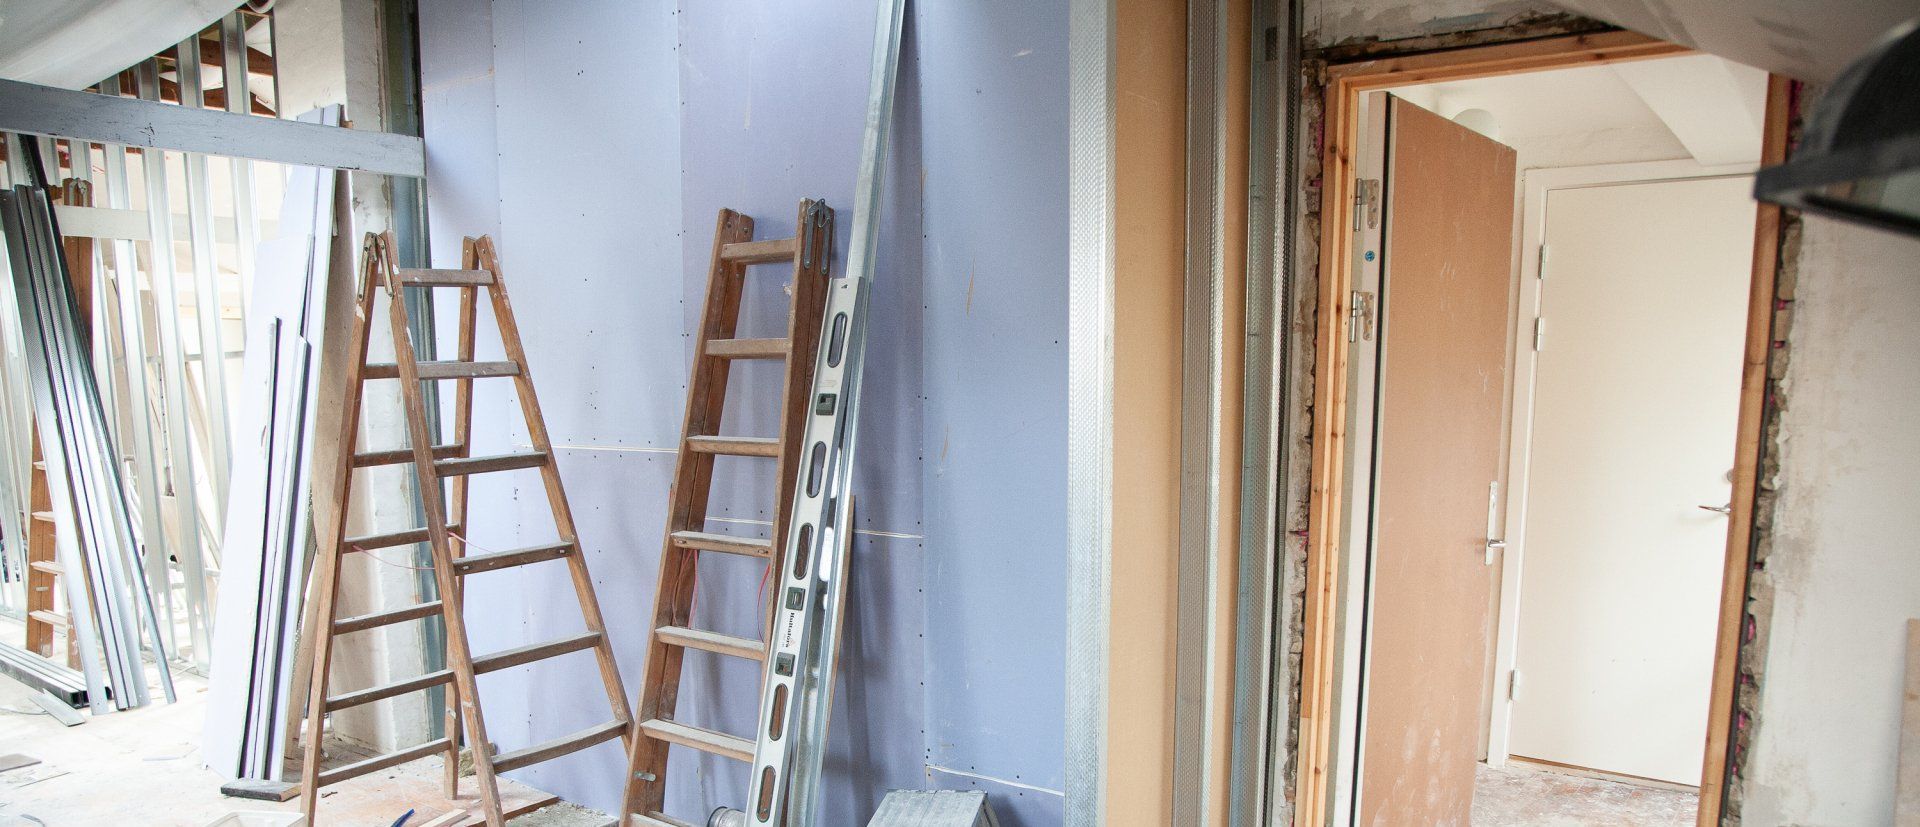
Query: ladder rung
[[47, 566], [388, 618], [368, 459], [397, 538], [384, 691], [446, 278], [483, 465], [443, 370], [704, 740], [720, 542], [518, 655], [736, 446], [49, 618], [758, 252], [748, 348], [381, 762], [473, 564], [715, 642], [659, 820], [43, 516], [547, 750]]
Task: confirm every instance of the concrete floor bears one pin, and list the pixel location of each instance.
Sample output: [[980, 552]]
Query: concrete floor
[[143, 767], [1523, 796]]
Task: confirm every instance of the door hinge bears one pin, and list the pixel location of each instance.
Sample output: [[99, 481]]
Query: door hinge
[[1360, 317], [1540, 271], [1366, 202], [1513, 685], [1539, 333]]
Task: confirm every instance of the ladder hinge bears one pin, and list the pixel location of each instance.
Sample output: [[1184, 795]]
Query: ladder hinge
[[1540, 271], [1366, 202], [1360, 316], [1539, 333]]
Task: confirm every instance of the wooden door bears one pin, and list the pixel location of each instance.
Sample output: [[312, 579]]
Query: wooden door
[[1448, 248], [1636, 400]]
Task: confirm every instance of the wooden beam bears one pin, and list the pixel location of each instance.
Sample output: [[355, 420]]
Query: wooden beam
[[41, 110]]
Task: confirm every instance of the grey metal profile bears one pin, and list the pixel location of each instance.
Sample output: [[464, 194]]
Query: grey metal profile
[[1196, 624], [1260, 701], [39, 110], [1090, 321], [797, 684]]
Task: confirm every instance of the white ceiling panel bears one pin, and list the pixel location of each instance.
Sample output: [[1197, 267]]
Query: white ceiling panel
[[1806, 39]]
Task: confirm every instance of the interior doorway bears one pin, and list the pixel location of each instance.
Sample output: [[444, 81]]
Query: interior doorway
[[1550, 270]]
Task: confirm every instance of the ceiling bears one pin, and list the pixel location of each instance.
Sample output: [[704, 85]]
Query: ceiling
[[73, 44], [1806, 39], [1699, 106]]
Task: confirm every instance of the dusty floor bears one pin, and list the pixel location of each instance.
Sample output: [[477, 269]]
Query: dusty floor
[[143, 767], [1520, 796]]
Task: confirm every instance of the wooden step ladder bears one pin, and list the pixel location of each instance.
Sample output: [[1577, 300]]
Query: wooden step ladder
[[445, 525], [44, 620], [809, 253]]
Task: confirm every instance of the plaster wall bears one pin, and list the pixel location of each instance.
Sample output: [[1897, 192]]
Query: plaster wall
[[1842, 575], [597, 140]]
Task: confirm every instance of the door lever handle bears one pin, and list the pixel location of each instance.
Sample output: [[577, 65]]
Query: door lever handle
[[1719, 509]]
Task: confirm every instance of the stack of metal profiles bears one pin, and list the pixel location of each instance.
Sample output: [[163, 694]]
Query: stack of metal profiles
[[110, 607]]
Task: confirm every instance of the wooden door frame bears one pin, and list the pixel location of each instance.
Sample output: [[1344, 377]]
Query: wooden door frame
[[1342, 86]]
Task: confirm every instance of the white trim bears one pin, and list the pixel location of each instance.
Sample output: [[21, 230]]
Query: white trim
[[109, 119], [1533, 210]]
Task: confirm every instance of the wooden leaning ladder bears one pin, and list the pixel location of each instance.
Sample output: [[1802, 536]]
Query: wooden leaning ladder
[[445, 525], [809, 252]]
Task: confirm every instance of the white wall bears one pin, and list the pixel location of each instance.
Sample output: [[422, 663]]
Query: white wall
[[1845, 561]]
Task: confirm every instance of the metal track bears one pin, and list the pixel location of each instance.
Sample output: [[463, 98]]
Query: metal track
[[797, 687]]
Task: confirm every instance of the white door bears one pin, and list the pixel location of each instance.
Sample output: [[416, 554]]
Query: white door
[[1644, 299]]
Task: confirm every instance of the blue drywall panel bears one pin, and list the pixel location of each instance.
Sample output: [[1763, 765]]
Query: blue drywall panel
[[551, 125], [773, 104], [597, 140], [992, 101]]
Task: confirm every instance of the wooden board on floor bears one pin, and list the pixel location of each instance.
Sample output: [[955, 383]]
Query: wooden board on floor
[[1906, 798], [380, 797]]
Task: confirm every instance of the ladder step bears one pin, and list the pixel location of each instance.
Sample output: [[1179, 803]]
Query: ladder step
[[397, 538], [715, 642], [43, 516], [704, 740], [748, 348], [47, 566], [387, 618], [369, 459], [385, 691], [758, 252], [443, 370], [488, 464], [547, 750], [509, 658], [445, 278], [381, 762], [736, 446], [720, 542], [49, 618], [476, 563]]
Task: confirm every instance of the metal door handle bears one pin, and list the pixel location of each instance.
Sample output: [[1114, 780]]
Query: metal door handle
[[1719, 509]]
